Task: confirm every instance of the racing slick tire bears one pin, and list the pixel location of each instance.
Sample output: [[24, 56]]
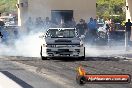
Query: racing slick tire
[[43, 58]]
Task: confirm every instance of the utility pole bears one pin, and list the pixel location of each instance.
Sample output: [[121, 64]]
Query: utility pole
[[126, 40]]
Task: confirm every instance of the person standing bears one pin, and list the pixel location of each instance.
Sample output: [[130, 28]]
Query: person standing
[[39, 23], [81, 27], [92, 28], [29, 24], [1, 35], [1, 22], [47, 23], [128, 30], [1, 27]]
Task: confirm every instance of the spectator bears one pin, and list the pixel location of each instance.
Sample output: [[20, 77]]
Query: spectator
[[16, 33], [1, 25], [92, 27], [1, 34], [96, 24], [81, 27], [39, 22], [112, 25], [128, 29], [29, 24], [47, 23], [5, 36]]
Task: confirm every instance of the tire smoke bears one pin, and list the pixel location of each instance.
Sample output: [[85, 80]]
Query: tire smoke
[[26, 45]]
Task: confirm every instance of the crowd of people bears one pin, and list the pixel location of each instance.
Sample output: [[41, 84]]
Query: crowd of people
[[87, 28]]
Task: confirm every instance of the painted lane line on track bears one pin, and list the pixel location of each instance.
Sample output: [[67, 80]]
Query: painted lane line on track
[[6, 82], [16, 79], [46, 74]]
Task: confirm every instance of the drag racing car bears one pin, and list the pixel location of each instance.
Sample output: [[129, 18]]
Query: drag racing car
[[62, 42]]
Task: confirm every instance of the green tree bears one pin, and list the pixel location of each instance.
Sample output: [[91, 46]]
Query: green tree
[[8, 6], [110, 7]]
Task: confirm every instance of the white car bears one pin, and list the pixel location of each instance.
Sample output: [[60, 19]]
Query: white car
[[62, 42]]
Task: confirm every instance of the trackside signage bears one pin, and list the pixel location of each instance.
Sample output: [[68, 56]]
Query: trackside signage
[[83, 77]]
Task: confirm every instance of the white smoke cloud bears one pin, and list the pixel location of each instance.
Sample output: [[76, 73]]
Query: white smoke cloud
[[29, 45], [26, 45], [104, 51]]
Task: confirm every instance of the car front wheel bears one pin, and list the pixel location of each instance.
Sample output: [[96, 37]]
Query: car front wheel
[[43, 58]]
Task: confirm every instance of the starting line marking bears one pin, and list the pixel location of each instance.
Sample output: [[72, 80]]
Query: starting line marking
[[6, 82]]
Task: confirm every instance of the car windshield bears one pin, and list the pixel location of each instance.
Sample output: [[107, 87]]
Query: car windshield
[[61, 33]]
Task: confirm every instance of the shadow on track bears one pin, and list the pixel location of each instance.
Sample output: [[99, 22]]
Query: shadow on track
[[64, 59], [88, 59]]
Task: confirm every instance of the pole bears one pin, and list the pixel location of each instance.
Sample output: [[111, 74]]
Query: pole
[[126, 40]]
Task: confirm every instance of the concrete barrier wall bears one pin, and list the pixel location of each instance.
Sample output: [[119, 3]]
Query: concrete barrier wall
[[82, 8], [42, 8]]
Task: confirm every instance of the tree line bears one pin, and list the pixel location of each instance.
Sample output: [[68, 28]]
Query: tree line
[[108, 8], [105, 8], [8, 6]]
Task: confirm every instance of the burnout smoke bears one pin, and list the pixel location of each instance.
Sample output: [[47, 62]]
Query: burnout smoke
[[104, 51], [26, 45], [29, 46]]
